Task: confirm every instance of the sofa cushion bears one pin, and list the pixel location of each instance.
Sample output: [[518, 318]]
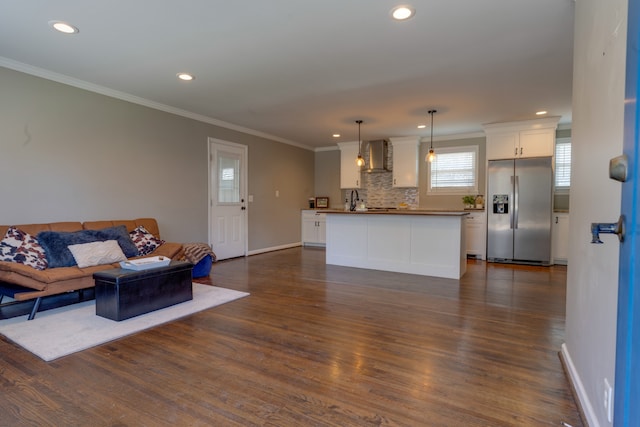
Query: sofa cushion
[[21, 247], [145, 241], [97, 253], [56, 243]]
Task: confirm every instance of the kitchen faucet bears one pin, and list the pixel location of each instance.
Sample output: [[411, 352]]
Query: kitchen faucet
[[352, 205]]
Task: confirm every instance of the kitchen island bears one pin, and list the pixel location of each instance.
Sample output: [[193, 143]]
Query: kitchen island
[[430, 243]]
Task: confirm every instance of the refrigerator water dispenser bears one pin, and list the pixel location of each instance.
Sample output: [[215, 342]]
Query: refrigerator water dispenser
[[500, 203]]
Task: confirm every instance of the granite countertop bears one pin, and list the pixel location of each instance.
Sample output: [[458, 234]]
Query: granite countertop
[[398, 212]]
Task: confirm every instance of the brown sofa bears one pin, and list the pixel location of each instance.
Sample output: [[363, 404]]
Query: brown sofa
[[52, 281]]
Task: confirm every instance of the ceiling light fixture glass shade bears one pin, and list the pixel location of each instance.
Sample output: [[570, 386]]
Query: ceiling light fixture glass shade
[[402, 13], [359, 159], [64, 27], [431, 156], [185, 76]]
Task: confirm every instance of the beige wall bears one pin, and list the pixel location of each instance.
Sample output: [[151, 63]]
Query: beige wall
[[598, 132], [450, 202], [327, 174], [597, 135], [327, 177], [71, 154]]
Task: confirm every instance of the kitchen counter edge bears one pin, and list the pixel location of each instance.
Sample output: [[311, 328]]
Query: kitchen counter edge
[[397, 212]]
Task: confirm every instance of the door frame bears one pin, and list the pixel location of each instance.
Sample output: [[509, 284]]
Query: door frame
[[211, 144]]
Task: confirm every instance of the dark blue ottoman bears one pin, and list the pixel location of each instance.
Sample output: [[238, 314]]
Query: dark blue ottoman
[[203, 267]]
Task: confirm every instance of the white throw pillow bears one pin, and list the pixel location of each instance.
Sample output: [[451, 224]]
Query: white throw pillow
[[97, 253]]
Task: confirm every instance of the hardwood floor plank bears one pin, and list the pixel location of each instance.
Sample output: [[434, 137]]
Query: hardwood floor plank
[[319, 345]]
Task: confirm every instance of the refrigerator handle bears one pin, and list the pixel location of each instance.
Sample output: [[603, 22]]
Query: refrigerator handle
[[516, 201], [511, 203]]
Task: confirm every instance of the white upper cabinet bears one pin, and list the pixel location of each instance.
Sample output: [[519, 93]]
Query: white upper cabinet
[[405, 161], [349, 171], [502, 145], [530, 138]]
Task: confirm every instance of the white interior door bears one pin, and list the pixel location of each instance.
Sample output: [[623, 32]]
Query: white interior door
[[228, 213]]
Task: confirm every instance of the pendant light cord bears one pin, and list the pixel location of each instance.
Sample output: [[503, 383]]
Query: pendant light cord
[[359, 159], [359, 122], [432, 112]]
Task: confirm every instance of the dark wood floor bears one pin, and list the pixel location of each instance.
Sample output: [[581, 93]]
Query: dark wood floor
[[318, 345]]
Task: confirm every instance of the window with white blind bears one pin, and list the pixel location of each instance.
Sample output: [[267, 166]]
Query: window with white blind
[[563, 164], [454, 171]]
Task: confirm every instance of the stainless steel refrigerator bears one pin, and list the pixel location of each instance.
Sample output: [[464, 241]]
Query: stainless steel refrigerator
[[519, 201]]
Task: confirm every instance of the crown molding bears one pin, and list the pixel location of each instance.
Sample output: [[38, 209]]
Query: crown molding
[[454, 137]]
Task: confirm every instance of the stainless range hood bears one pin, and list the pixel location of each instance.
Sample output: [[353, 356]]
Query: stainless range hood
[[378, 156]]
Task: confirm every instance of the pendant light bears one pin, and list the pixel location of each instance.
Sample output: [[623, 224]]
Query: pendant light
[[360, 159], [432, 154]]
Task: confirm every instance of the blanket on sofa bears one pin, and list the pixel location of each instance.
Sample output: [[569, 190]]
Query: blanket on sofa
[[194, 252]]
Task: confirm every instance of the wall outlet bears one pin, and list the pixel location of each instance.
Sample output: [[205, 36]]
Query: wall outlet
[[608, 400], [277, 193]]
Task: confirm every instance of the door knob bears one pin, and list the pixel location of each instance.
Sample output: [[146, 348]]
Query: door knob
[[607, 228], [618, 168]]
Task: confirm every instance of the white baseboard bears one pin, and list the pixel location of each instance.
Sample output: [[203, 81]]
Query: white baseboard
[[274, 248], [579, 389]]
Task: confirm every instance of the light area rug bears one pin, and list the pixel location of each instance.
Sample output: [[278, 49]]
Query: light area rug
[[66, 330]]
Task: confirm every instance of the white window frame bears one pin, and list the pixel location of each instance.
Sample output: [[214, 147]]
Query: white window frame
[[444, 191], [561, 188]]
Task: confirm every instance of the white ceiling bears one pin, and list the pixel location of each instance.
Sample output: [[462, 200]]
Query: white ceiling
[[303, 70]]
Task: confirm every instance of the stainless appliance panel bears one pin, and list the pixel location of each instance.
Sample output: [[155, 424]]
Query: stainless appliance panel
[[499, 232], [518, 205], [532, 225]]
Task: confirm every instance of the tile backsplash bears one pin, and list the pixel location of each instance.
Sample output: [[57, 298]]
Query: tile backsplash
[[377, 188]]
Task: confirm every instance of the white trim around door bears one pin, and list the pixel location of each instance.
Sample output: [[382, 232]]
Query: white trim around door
[[228, 219]]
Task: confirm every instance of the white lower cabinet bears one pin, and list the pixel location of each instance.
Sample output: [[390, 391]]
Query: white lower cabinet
[[476, 234], [314, 228], [560, 237]]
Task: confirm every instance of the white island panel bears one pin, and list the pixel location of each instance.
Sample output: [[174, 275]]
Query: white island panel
[[438, 246], [432, 245], [387, 240], [351, 233]]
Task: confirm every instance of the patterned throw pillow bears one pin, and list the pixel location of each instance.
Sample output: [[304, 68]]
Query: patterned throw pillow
[[21, 247], [145, 241]]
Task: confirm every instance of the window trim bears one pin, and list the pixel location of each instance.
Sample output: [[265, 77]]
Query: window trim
[[560, 189], [453, 191]]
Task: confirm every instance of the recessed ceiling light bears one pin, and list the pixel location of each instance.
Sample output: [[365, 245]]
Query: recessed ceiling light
[[422, 126], [336, 135], [402, 13], [186, 77], [541, 113], [64, 27]]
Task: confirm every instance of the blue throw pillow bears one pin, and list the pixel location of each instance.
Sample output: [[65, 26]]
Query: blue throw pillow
[[120, 234], [55, 243]]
